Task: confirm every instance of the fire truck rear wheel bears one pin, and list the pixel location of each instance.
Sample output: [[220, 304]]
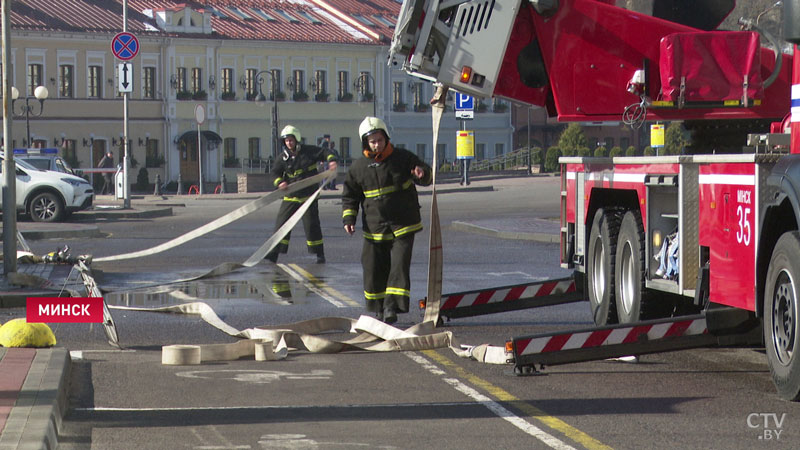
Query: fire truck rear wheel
[[630, 260], [600, 266], [781, 316]]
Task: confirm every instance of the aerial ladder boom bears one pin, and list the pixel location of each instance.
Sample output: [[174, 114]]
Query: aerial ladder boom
[[587, 60]]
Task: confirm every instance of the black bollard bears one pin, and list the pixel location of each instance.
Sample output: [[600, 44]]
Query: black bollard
[[222, 185], [180, 185]]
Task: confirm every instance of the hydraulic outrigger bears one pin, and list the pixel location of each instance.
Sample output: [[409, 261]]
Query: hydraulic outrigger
[[730, 327], [508, 298]]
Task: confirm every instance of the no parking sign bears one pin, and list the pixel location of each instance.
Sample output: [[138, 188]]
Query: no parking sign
[[125, 46]]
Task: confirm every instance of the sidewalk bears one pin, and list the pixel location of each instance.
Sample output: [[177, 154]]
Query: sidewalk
[[33, 385]]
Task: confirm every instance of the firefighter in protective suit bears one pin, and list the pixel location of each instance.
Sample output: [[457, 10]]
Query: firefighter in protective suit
[[382, 185], [296, 162]]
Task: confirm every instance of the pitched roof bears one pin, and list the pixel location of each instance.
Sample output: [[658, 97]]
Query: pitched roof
[[331, 21]]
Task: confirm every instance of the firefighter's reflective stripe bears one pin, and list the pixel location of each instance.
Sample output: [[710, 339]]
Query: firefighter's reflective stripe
[[409, 229], [295, 199], [313, 243], [348, 212], [379, 237], [299, 172], [374, 295], [397, 291], [374, 193], [284, 241], [278, 180]]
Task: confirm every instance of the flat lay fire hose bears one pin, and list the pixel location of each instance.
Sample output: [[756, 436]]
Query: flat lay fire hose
[[224, 220], [435, 256], [274, 342]]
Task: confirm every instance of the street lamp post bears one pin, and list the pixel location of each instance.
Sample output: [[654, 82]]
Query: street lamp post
[[361, 83], [259, 79], [27, 110]]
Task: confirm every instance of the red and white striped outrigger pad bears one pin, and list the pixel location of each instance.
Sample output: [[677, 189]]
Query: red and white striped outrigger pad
[[507, 294], [609, 336]]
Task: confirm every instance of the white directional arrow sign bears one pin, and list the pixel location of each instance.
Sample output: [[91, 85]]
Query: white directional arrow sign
[[125, 77]]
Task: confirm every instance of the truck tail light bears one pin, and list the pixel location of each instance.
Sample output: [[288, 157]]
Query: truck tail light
[[466, 74]]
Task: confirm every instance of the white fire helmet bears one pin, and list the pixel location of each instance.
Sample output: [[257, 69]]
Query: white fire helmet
[[371, 124], [291, 130]]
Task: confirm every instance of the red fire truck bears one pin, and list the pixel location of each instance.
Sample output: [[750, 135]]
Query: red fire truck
[[711, 231]]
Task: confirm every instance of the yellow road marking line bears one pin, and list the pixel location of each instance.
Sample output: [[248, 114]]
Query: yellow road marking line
[[319, 284], [502, 395]]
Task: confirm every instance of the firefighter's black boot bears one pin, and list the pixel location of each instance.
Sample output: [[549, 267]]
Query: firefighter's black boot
[[389, 310], [272, 257]]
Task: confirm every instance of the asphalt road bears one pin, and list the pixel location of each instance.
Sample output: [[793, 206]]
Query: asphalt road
[[708, 398]]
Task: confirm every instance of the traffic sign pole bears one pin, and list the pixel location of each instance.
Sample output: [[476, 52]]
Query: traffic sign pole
[[125, 46], [199, 117], [126, 202]]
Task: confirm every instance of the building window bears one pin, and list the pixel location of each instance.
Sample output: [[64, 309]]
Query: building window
[[34, 77], [397, 96], [480, 151], [181, 79], [95, 82], [441, 153], [364, 84], [151, 156], [624, 143], [65, 81], [227, 81], [275, 84], [254, 149], [149, 83], [298, 81], [344, 147], [342, 84], [250, 83], [418, 100], [609, 143], [320, 82], [499, 149], [421, 151], [230, 152], [498, 105], [69, 152], [197, 80]]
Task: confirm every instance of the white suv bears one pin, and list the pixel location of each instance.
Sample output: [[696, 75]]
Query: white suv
[[46, 195]]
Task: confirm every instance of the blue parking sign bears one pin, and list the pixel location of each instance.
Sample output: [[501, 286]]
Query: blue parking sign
[[464, 102]]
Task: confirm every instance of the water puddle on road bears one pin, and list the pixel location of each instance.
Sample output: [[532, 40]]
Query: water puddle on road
[[276, 288]]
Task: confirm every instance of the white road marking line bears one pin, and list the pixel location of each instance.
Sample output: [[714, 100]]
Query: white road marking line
[[292, 273], [268, 407], [80, 354], [324, 286], [221, 447], [548, 439]]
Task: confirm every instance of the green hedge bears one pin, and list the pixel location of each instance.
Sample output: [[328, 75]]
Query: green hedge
[[551, 159]]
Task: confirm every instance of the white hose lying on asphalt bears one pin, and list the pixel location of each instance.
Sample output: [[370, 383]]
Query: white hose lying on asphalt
[[224, 220]]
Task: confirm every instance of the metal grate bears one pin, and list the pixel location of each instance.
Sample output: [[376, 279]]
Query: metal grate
[[475, 17]]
